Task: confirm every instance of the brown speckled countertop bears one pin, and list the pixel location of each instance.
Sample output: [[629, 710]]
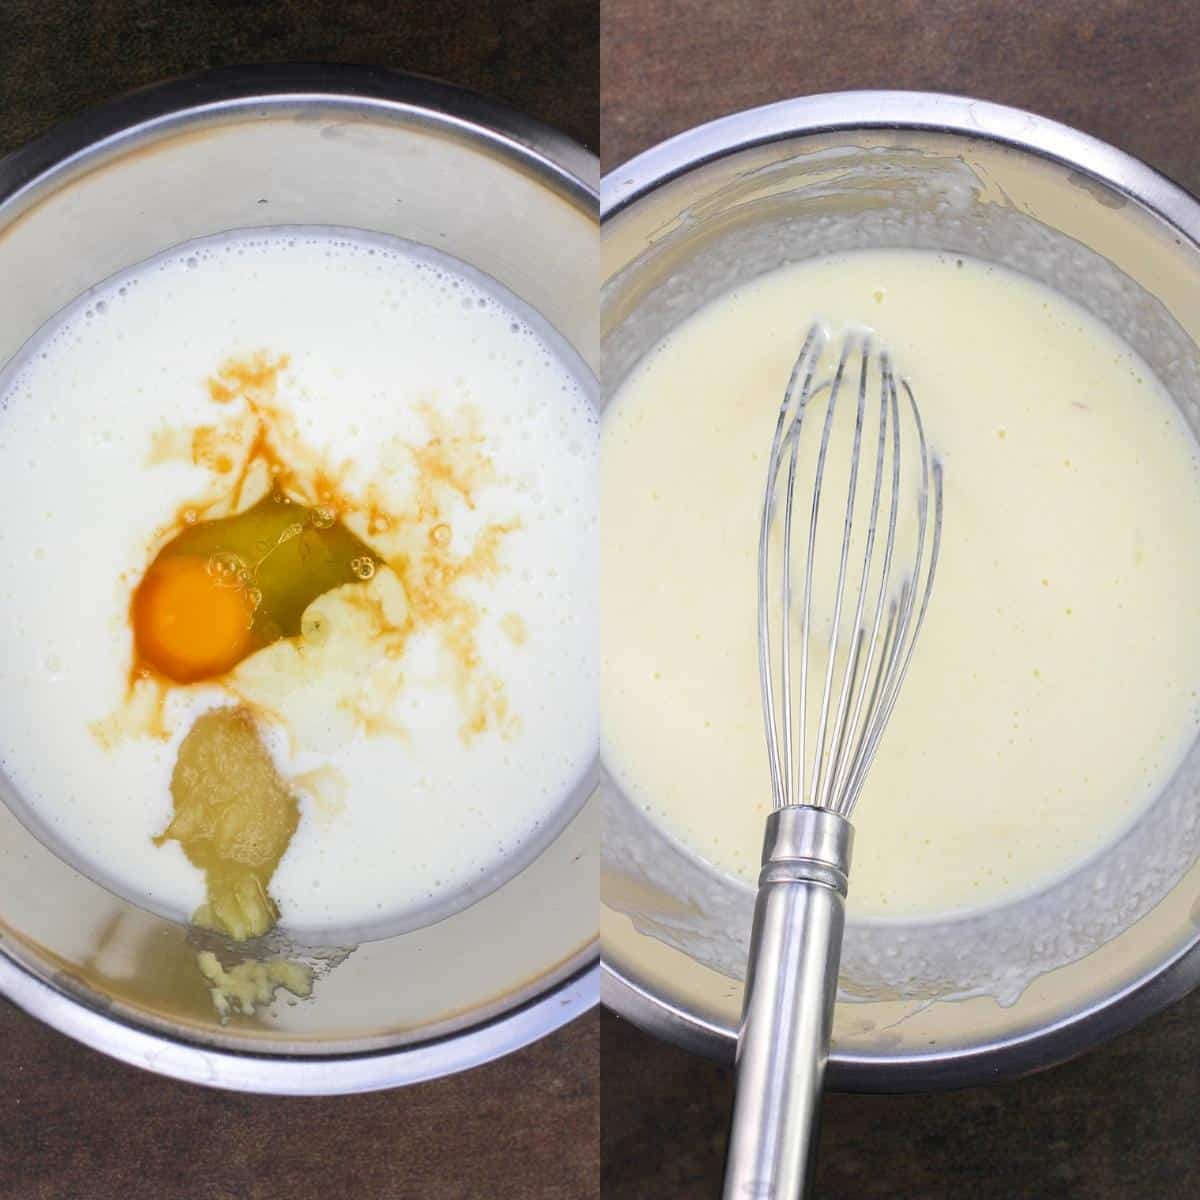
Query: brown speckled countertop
[[1121, 1123], [77, 1126]]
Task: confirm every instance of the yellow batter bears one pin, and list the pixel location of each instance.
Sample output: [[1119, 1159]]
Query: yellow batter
[[1054, 688]]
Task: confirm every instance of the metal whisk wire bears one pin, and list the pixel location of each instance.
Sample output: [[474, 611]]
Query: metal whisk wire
[[848, 731], [877, 613]]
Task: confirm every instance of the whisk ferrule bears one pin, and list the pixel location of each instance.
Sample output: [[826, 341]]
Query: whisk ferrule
[[807, 842]]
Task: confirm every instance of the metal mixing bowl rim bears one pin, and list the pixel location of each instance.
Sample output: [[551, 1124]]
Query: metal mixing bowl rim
[[560, 163], [962, 116]]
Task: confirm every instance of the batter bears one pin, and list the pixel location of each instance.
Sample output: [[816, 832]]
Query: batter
[[1054, 689]]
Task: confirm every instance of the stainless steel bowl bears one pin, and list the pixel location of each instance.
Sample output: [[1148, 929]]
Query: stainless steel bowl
[[366, 149], [957, 1002]]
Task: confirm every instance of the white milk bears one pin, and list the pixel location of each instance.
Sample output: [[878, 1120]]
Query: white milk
[[1054, 689], [375, 328]]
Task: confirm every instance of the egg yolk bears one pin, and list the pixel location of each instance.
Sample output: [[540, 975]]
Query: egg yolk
[[188, 624]]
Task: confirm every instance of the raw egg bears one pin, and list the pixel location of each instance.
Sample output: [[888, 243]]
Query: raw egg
[[223, 588]]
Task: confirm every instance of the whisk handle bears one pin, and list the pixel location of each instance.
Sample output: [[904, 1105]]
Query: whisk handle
[[787, 1015]]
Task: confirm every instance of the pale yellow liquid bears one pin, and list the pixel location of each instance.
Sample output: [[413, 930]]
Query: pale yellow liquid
[[1054, 688]]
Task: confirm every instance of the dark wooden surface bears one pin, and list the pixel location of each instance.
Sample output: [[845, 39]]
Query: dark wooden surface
[[1127, 71], [1123, 1122], [76, 1126], [58, 56]]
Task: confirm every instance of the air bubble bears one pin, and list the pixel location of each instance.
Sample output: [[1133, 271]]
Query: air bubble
[[227, 569]]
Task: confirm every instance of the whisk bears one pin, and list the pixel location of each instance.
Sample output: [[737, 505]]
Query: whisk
[[824, 722]]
